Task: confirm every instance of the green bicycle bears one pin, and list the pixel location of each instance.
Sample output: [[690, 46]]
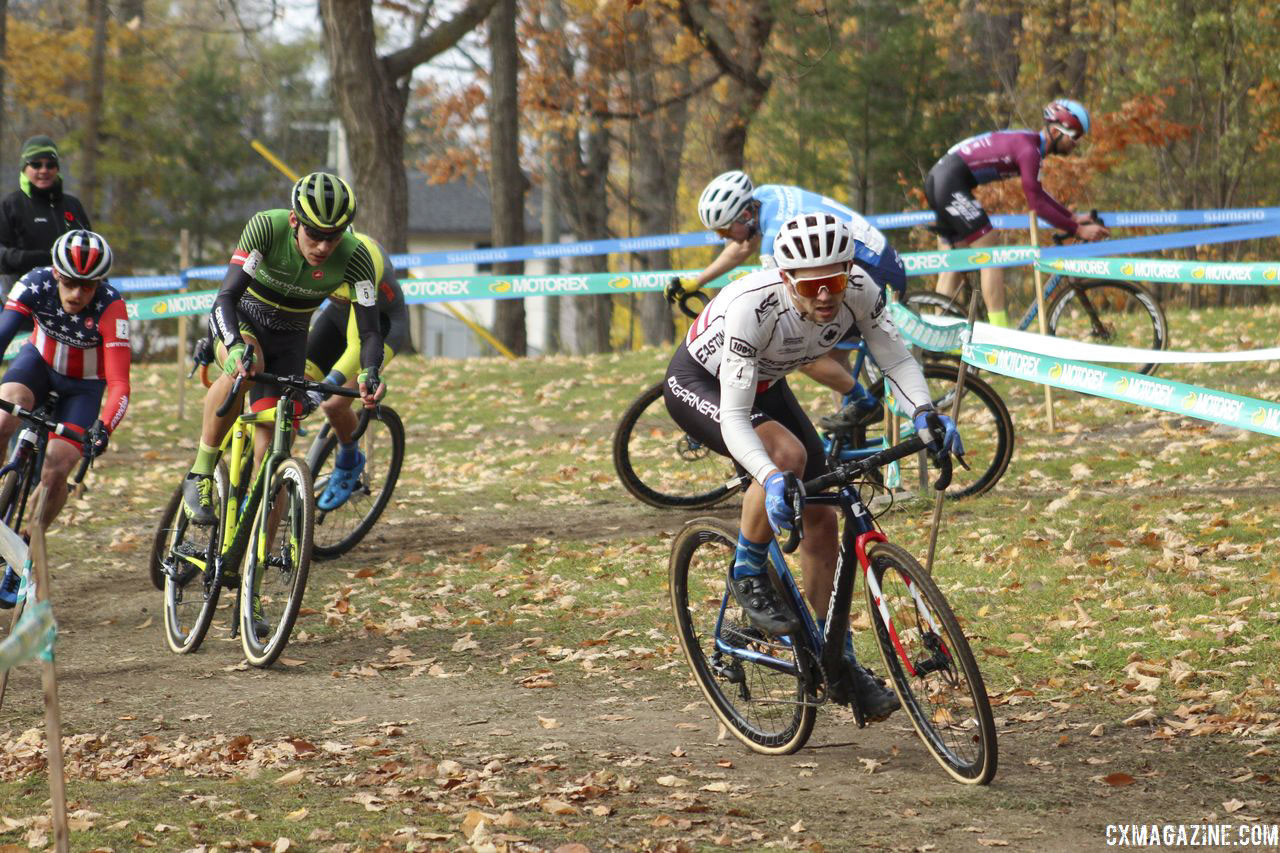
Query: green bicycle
[[260, 544]]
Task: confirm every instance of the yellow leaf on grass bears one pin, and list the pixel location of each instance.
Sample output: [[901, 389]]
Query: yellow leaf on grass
[[292, 777]]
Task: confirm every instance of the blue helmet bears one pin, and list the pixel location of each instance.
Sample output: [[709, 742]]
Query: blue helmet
[[1070, 115]]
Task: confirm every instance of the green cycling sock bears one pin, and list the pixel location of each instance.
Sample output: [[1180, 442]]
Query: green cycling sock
[[206, 459]]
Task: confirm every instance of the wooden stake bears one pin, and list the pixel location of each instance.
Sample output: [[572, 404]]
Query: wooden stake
[[1044, 323], [936, 523], [49, 677]]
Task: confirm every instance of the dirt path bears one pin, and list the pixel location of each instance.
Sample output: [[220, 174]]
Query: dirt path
[[848, 789]]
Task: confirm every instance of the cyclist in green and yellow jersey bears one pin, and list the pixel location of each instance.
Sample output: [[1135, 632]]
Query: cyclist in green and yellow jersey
[[286, 263], [334, 346]]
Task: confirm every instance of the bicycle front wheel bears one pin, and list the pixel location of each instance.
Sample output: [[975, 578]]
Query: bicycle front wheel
[[754, 681], [8, 492], [985, 425], [339, 530], [275, 567], [662, 465], [1115, 313], [931, 666], [184, 555]]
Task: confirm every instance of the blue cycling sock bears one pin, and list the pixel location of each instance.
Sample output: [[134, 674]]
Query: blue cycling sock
[[749, 558], [348, 455]]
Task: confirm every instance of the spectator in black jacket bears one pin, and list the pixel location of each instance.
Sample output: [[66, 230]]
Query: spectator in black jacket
[[37, 213]]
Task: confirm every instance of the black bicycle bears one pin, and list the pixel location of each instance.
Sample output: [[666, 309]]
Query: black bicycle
[[766, 689], [381, 441], [21, 473]]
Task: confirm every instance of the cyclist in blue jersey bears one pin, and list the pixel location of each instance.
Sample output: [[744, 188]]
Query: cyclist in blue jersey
[[993, 157], [749, 217]]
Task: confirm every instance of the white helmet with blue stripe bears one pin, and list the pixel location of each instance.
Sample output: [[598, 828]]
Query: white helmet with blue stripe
[[724, 198]]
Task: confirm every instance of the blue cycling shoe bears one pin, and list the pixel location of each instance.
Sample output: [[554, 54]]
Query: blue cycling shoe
[[9, 588], [342, 482]]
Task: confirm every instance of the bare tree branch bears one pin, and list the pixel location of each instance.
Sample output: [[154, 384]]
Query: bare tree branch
[[403, 61]]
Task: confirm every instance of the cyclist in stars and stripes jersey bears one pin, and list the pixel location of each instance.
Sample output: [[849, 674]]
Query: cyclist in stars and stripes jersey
[[79, 348]]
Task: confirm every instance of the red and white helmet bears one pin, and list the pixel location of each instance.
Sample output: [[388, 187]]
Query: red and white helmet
[[813, 240], [724, 198], [82, 254], [1070, 115]]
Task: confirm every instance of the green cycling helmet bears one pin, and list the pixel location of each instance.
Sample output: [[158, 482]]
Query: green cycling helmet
[[323, 201]]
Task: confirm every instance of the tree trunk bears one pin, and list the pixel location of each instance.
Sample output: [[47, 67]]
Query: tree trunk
[[507, 184], [372, 93], [655, 166], [587, 206], [551, 342], [740, 55], [372, 109], [93, 116], [4, 116]]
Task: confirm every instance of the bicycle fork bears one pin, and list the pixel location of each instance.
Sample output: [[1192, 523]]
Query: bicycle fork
[[940, 657]]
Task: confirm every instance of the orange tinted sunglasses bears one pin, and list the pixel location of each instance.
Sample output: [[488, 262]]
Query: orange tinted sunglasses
[[810, 287]]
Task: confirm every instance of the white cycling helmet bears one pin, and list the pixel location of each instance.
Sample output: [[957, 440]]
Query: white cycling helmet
[[724, 198], [813, 240]]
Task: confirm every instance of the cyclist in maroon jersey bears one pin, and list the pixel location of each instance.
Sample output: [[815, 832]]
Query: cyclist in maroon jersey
[[993, 157]]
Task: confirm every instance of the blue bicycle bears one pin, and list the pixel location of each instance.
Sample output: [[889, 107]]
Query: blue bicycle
[[1092, 310], [766, 688], [663, 466]]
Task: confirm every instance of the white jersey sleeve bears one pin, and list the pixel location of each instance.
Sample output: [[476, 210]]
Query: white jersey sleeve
[[866, 300], [747, 333]]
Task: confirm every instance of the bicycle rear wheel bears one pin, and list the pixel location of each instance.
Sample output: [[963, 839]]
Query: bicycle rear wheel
[[184, 555], [275, 571], [929, 661], [985, 425], [1115, 313], [339, 530], [927, 303], [661, 465], [754, 681]]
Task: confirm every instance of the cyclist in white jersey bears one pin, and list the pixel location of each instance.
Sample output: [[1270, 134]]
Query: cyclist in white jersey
[[749, 217], [726, 386]]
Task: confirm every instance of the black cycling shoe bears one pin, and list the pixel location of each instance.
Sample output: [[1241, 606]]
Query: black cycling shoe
[[875, 700], [850, 416], [197, 499], [759, 601]]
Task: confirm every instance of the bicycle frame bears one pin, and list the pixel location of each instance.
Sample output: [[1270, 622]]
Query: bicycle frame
[[1033, 309], [243, 498], [844, 452], [855, 535]]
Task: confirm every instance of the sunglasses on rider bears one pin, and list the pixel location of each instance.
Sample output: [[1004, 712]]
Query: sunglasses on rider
[[322, 236], [746, 217], [43, 164], [811, 286], [78, 283]]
